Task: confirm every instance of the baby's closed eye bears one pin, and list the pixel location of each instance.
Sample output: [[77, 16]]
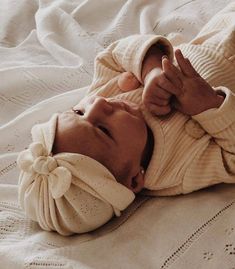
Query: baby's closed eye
[[105, 130]]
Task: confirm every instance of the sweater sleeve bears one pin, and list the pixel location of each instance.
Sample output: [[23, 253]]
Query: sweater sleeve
[[216, 163], [126, 54]]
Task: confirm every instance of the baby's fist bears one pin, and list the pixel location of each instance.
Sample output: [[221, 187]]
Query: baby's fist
[[160, 86]]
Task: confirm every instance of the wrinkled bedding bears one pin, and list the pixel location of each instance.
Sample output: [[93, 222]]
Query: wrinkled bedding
[[47, 48]]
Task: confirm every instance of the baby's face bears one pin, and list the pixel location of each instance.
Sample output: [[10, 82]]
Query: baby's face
[[110, 131]]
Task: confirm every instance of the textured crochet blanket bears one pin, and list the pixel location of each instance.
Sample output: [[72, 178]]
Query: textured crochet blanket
[[47, 48]]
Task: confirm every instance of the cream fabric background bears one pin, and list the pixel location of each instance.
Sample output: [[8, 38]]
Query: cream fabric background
[[47, 49]]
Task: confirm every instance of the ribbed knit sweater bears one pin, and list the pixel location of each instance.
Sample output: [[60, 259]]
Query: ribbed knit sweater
[[189, 153]]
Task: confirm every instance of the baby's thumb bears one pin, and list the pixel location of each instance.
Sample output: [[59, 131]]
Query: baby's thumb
[[128, 82]]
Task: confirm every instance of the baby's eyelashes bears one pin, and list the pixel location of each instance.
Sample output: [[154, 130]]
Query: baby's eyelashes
[[105, 131], [78, 111]]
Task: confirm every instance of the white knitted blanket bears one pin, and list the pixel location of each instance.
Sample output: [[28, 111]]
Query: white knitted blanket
[[47, 48]]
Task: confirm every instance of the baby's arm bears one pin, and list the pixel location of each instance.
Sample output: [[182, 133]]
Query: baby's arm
[[215, 112], [152, 60], [215, 162], [127, 54]]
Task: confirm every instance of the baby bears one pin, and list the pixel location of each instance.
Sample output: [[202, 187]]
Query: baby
[[102, 128], [159, 128]]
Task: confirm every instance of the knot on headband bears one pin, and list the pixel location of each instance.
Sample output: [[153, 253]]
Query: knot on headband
[[44, 165], [36, 160]]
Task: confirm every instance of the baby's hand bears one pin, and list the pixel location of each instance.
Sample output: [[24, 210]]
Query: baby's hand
[[182, 89], [128, 82], [196, 95], [159, 87]]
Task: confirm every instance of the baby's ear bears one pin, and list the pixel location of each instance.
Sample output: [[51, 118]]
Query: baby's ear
[[137, 182], [128, 82]]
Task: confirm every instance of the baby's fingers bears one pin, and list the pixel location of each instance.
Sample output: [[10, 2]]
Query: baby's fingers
[[161, 81], [185, 66], [173, 74], [156, 100]]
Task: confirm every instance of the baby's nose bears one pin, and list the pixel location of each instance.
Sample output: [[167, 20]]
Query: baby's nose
[[101, 105], [100, 109]]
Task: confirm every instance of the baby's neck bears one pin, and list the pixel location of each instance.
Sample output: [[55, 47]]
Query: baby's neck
[[148, 150]]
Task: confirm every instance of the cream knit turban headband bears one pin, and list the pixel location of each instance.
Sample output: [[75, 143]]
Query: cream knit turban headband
[[66, 192]]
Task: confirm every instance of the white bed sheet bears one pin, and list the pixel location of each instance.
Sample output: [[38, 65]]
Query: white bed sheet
[[47, 50]]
